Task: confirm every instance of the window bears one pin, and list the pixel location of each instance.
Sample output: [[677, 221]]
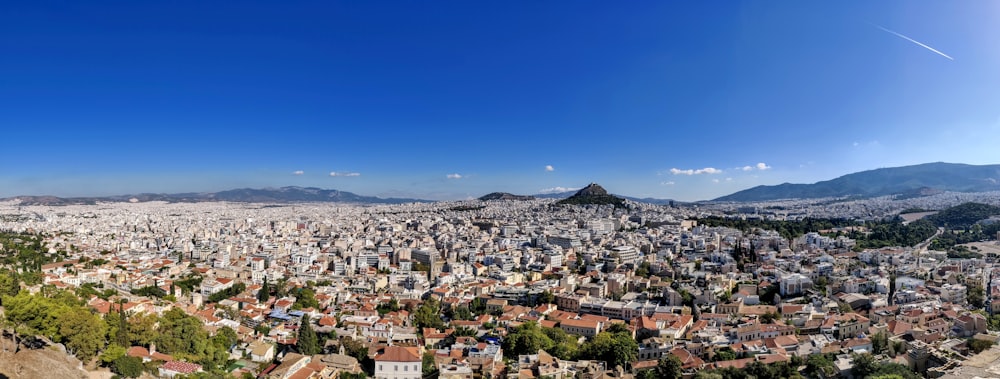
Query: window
[[380, 367], [406, 368]]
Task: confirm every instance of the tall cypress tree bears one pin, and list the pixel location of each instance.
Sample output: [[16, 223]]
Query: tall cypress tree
[[308, 343], [122, 337], [263, 294]]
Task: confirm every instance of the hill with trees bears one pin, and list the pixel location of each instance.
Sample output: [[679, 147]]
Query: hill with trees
[[593, 194], [963, 215]]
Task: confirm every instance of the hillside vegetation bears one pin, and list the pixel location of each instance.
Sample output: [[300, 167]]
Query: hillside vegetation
[[964, 215]]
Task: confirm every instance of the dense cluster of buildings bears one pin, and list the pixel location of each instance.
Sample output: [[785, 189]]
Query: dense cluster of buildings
[[679, 286]]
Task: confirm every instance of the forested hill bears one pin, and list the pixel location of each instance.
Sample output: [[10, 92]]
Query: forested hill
[[964, 215]]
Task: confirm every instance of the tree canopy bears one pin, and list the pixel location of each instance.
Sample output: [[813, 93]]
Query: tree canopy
[[308, 342]]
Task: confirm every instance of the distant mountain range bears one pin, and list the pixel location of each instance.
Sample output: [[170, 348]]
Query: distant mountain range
[[243, 195], [907, 181]]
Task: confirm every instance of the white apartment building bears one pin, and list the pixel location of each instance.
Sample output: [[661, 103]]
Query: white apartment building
[[793, 284]]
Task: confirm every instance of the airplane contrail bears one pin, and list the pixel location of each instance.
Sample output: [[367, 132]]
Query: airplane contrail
[[914, 41]]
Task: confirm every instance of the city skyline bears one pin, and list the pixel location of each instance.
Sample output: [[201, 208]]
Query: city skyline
[[448, 101]]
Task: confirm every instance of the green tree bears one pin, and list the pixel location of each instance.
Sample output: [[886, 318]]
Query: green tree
[[864, 365], [391, 306], [478, 306], [236, 289], [122, 337], [564, 345], [526, 338], [546, 297], [35, 314], [129, 367], [769, 317], [263, 295], [993, 323], [669, 367], [616, 349], [462, 312], [643, 269], [308, 343], [880, 342], [617, 328], [83, 332], [217, 352], [227, 335], [978, 346], [115, 331], [976, 296], [306, 298], [819, 366], [724, 354], [8, 285], [180, 333], [111, 354], [142, 329], [428, 367], [428, 315]]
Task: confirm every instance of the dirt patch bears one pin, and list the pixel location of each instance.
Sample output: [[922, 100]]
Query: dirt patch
[[984, 248], [911, 217], [42, 363]]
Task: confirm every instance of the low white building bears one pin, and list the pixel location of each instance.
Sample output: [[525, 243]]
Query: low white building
[[397, 362]]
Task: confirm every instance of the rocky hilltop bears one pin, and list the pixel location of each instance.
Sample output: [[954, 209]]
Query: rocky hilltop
[[44, 362], [593, 194]]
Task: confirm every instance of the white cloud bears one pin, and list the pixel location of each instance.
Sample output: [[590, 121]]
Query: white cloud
[[557, 190], [454, 176], [299, 172], [706, 170], [334, 173], [715, 180], [729, 179], [549, 168], [760, 166], [666, 183]]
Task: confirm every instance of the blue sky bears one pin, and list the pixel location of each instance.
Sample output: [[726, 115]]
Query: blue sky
[[449, 100]]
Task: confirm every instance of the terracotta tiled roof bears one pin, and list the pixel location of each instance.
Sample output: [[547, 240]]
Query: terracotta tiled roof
[[181, 367], [399, 354]]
